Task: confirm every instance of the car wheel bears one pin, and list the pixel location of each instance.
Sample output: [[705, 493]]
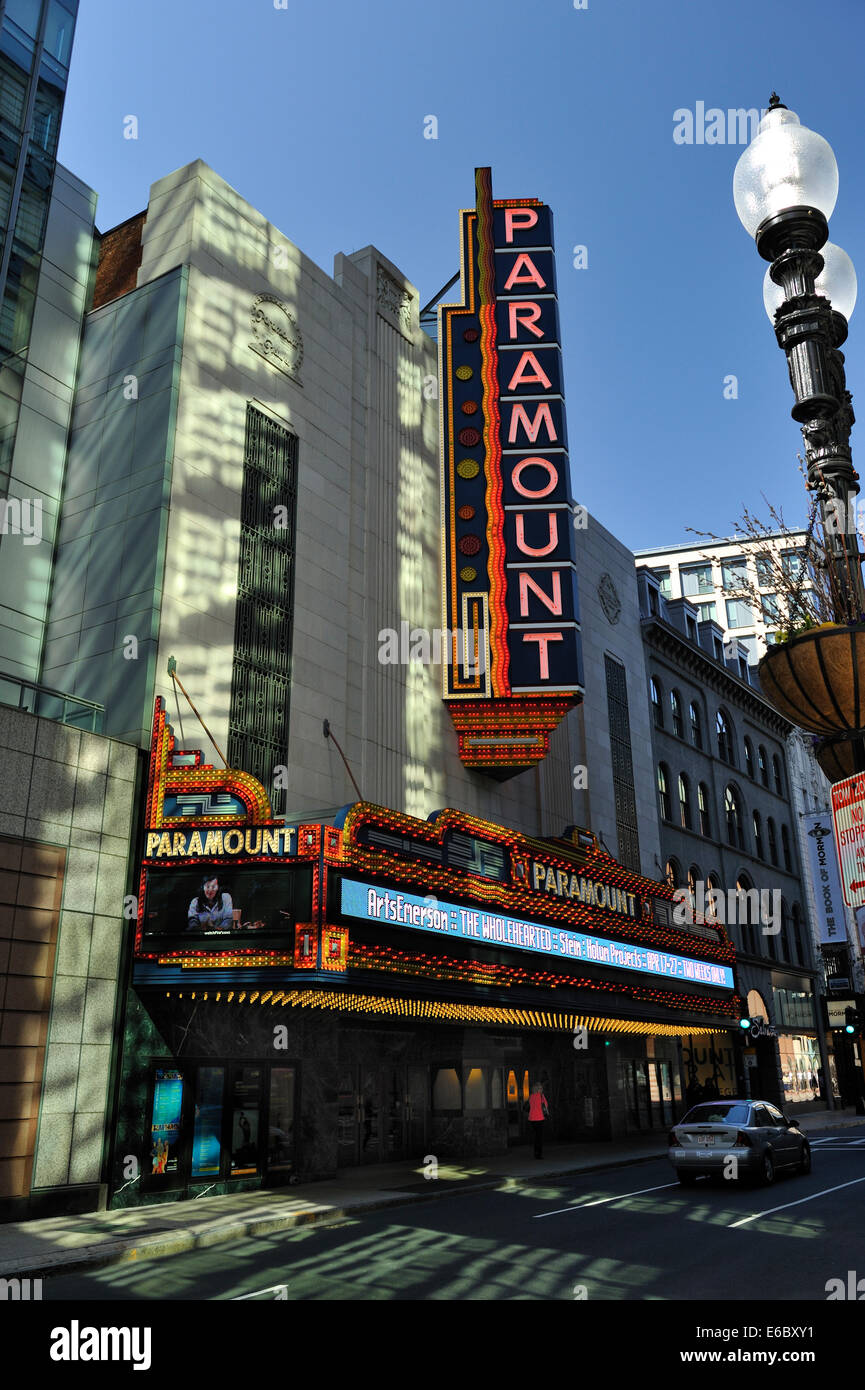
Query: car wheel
[[687, 1179], [805, 1164], [767, 1170]]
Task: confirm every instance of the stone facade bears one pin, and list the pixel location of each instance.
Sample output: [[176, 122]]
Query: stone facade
[[66, 817]]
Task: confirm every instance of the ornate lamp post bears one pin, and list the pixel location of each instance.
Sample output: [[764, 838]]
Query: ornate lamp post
[[784, 187]]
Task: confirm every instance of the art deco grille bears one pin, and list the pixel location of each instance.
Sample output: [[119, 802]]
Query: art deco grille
[[261, 677], [623, 767]]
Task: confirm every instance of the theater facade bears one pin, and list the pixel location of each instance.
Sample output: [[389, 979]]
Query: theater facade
[[308, 997]]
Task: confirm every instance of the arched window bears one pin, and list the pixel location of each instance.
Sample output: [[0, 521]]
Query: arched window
[[763, 765], [724, 730], [776, 770], [696, 726], [798, 941], [748, 912], [749, 759], [664, 792], [783, 937], [673, 873], [773, 840], [758, 835], [684, 802], [714, 896], [703, 807], [694, 877], [657, 708], [676, 714], [785, 847], [733, 817]]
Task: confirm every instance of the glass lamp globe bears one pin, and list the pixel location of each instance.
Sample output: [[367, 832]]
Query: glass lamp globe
[[786, 165], [837, 281]]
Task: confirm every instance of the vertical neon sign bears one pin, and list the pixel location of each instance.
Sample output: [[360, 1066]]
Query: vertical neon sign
[[508, 574]]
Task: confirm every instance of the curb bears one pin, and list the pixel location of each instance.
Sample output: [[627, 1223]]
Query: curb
[[181, 1242], [157, 1247]]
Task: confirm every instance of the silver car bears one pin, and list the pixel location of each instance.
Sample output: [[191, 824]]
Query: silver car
[[754, 1132]]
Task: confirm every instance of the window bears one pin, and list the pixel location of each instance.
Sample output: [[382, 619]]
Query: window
[[758, 835], [785, 848], [624, 795], [738, 613], [733, 817], [664, 793], [784, 935], [713, 896], [793, 564], [707, 613], [694, 877], [769, 608], [748, 907], [724, 731], [734, 572], [749, 759], [657, 709], [752, 653], [797, 935], [763, 765], [765, 570], [773, 841], [684, 802], [258, 721], [696, 579], [703, 807], [776, 772], [696, 726], [673, 873], [676, 713], [663, 578]]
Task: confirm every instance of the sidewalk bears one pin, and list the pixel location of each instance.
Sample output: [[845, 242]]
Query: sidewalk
[[60, 1244]]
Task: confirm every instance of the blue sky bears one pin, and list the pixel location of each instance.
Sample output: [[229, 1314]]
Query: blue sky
[[315, 113]]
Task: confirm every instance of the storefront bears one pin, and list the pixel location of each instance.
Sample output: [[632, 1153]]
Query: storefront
[[310, 997]]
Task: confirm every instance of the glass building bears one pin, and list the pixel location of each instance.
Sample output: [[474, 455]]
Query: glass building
[[35, 45]]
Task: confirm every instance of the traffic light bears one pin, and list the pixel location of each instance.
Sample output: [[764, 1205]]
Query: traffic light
[[851, 1021]]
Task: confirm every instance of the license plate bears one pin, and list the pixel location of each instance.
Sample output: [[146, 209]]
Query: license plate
[[707, 1139]]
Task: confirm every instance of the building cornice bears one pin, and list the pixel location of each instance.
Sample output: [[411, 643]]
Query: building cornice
[[668, 639]]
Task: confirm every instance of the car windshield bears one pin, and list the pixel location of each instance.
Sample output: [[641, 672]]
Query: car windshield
[[720, 1112]]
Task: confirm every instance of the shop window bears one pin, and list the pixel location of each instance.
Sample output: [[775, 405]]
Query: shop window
[[207, 1130], [447, 1094], [476, 1089], [246, 1105], [280, 1129], [496, 1091], [165, 1120]]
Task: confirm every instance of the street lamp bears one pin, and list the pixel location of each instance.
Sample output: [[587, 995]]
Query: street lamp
[[784, 187]]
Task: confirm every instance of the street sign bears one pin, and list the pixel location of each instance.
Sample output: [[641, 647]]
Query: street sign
[[848, 814]]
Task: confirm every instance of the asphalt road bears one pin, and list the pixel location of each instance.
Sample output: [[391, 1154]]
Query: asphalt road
[[629, 1233]]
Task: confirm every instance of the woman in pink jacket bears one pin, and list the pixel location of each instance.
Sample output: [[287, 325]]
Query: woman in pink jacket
[[538, 1112]]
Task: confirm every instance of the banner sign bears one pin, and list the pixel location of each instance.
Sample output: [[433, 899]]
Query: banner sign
[[824, 876], [256, 842], [370, 903], [508, 562], [848, 814]]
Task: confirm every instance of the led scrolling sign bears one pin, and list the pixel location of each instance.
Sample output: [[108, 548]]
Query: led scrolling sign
[[509, 582]]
